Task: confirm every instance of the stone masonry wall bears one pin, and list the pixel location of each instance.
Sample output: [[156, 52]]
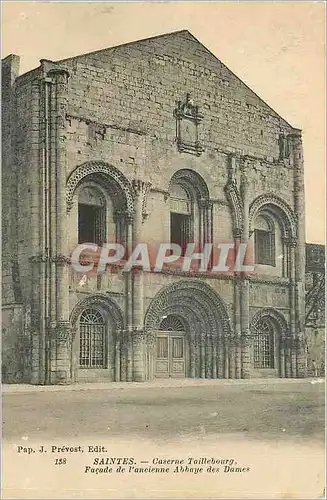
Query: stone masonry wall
[[121, 105]]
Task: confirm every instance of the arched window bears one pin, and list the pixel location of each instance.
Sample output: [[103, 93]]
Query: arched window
[[263, 345], [181, 215], [171, 324], [91, 215], [92, 339], [264, 241]]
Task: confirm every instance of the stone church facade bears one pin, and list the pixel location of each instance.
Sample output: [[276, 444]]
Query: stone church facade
[[153, 141]]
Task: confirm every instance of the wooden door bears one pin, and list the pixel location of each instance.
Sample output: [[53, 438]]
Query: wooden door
[[170, 355]]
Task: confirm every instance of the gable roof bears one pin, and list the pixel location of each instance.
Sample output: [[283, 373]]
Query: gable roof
[[186, 34]]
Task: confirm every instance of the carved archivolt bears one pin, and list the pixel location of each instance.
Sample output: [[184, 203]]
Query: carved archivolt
[[272, 314], [195, 301], [235, 202], [194, 179], [112, 177], [100, 300], [280, 208]]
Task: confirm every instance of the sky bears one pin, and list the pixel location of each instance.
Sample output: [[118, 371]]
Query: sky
[[276, 48]]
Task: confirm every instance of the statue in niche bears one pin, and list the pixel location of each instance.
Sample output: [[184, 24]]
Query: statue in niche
[[284, 147]]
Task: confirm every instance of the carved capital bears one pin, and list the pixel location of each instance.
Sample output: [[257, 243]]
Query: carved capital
[[138, 335], [205, 203], [47, 257], [141, 187], [246, 338], [290, 242], [62, 331], [237, 232]]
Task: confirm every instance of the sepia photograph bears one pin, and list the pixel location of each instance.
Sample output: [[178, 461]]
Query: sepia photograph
[[163, 249]]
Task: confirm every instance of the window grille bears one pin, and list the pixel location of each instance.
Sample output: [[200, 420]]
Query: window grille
[[92, 339], [180, 200], [264, 243], [171, 324], [263, 345], [91, 216]]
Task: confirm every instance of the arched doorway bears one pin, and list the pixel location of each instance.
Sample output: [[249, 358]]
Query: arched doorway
[[171, 349], [188, 329]]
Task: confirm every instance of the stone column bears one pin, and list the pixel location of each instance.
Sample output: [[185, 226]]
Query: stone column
[[292, 297], [226, 357], [214, 355], [245, 287], [117, 359], [192, 355], [282, 355], [237, 326], [299, 254], [128, 346], [44, 228], [201, 224], [221, 356], [209, 234], [139, 345], [60, 78], [37, 324], [59, 233], [237, 310], [203, 355], [208, 355]]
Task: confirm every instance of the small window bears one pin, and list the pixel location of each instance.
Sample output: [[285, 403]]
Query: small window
[[264, 243], [180, 230]]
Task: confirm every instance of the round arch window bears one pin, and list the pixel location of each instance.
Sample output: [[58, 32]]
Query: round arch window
[[92, 339]]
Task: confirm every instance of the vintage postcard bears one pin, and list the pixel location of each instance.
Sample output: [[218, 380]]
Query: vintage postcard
[[163, 249]]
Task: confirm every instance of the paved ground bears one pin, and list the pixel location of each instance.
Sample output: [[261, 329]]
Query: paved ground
[[165, 410], [271, 430]]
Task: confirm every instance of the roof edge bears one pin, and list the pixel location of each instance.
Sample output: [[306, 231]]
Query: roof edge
[[126, 44]]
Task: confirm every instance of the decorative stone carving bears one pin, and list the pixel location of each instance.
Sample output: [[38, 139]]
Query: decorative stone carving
[[206, 304], [235, 203], [62, 331], [187, 121], [284, 212], [139, 336], [99, 300], [142, 188], [109, 172], [45, 257], [195, 180], [270, 313]]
